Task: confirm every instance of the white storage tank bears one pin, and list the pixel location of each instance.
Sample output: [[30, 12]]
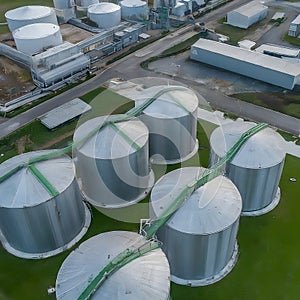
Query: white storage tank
[[145, 277], [63, 4], [105, 14], [32, 14], [179, 9], [256, 169], [35, 38], [113, 165], [199, 240], [41, 209], [172, 123], [134, 9]]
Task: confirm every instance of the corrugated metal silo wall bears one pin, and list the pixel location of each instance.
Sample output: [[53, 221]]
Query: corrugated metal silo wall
[[106, 181], [171, 138], [258, 187], [47, 226], [196, 257]]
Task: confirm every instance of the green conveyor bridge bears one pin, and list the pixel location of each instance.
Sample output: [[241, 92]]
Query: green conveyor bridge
[[152, 226]]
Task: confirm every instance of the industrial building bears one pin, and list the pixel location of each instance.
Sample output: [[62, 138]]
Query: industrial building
[[113, 166], [256, 169], [247, 15], [294, 29], [144, 277], [32, 14], [279, 51], [41, 209], [253, 64], [199, 239], [59, 64]]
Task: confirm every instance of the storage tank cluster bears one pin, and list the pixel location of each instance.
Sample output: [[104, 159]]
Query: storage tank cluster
[[199, 241], [256, 169], [200, 237], [172, 123], [34, 28], [35, 223], [144, 277], [105, 14]]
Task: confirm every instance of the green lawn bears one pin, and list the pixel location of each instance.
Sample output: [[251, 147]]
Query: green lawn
[[288, 103]]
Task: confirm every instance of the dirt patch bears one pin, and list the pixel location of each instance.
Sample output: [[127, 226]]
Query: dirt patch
[[22, 143], [259, 32], [73, 34], [14, 80]]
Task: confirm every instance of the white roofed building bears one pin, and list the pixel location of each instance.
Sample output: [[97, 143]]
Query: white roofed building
[[246, 15], [294, 28], [249, 63]]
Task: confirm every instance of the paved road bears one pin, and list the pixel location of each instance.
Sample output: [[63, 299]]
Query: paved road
[[129, 68]]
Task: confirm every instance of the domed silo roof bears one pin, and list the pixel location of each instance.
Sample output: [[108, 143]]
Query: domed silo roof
[[32, 14], [105, 14], [35, 38], [144, 277]]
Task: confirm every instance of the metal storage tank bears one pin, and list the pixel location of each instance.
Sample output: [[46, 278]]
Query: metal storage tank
[[179, 9], [63, 4], [113, 165], [134, 9], [33, 222], [144, 277], [105, 14], [172, 123], [32, 14], [256, 169], [200, 238], [35, 38]]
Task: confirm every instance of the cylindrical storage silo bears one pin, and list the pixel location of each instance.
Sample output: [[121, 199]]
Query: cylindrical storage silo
[[145, 277], [113, 165], [32, 14], [172, 123], [63, 4], [105, 14], [134, 9], [35, 38], [256, 169], [200, 237], [41, 209]]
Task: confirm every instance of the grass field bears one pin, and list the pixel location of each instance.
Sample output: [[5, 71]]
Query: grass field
[[288, 103], [268, 265]]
